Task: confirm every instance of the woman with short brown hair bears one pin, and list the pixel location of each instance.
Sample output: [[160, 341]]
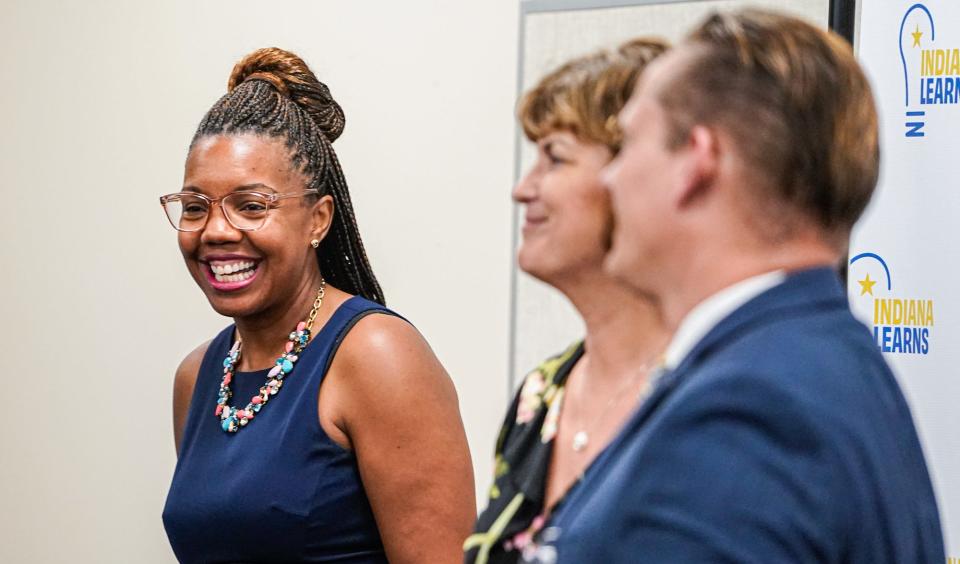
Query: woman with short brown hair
[[570, 407]]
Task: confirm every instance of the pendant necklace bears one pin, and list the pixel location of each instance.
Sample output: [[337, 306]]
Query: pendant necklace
[[233, 419], [582, 437]]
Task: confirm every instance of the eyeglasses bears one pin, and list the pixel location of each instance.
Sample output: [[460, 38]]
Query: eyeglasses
[[244, 210]]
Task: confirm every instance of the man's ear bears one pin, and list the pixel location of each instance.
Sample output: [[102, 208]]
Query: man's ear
[[322, 215], [701, 162]]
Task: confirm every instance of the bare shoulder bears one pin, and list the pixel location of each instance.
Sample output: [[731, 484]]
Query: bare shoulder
[[183, 384], [382, 332], [386, 350], [385, 366]]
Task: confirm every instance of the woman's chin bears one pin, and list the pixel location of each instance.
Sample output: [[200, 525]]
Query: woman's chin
[[237, 304], [558, 268], [535, 265], [228, 310], [529, 262]]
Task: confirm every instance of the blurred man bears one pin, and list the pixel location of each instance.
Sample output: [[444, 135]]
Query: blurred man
[[777, 433]]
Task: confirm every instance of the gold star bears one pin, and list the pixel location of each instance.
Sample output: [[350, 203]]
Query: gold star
[[866, 285], [916, 36]]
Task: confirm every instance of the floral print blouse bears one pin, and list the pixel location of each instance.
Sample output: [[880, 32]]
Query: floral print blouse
[[515, 510]]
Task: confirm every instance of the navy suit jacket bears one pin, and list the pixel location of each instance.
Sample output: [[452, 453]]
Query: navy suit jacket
[[781, 437]]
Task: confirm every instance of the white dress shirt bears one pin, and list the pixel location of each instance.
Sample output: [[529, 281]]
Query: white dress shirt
[[711, 311]]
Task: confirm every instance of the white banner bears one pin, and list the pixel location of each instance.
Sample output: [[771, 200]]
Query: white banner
[[904, 281]]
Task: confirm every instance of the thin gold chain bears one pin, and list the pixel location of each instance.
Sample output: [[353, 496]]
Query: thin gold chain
[[316, 304]]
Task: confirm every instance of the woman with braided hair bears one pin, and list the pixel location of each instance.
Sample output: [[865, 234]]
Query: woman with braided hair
[[319, 426]]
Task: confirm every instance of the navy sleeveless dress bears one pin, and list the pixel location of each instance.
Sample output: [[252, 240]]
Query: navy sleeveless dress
[[278, 490]]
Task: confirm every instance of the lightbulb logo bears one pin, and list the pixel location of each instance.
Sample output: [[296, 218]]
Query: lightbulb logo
[[900, 325], [931, 76]]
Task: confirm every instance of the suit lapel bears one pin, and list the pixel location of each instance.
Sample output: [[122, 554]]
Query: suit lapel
[[801, 293]]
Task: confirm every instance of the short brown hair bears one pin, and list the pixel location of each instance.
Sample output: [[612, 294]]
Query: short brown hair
[[796, 103], [585, 95]]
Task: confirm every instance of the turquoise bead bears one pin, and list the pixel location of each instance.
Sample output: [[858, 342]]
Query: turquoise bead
[[287, 366], [227, 362], [226, 424]]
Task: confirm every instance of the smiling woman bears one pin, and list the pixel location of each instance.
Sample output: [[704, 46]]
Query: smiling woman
[[570, 406], [319, 426]]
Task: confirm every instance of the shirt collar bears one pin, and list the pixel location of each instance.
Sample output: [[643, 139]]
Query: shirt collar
[[708, 313]]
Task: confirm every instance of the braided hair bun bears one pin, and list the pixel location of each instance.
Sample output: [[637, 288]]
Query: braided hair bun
[[291, 76]]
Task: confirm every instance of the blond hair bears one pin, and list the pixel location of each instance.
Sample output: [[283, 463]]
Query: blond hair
[[797, 105], [585, 95]]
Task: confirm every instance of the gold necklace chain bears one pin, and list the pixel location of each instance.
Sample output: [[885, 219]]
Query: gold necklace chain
[[316, 304]]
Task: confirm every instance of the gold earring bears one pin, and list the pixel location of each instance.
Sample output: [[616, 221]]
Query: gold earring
[[315, 243]]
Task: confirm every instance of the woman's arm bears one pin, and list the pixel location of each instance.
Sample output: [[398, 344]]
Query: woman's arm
[[183, 384], [398, 409]]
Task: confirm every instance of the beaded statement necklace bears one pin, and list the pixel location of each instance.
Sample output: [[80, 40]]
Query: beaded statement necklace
[[233, 419]]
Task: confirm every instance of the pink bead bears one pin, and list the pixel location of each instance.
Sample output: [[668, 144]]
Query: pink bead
[[227, 379], [301, 326], [289, 346], [273, 371], [249, 415], [256, 400], [219, 410]]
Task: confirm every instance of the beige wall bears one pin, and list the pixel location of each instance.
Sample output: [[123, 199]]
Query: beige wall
[[98, 100]]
